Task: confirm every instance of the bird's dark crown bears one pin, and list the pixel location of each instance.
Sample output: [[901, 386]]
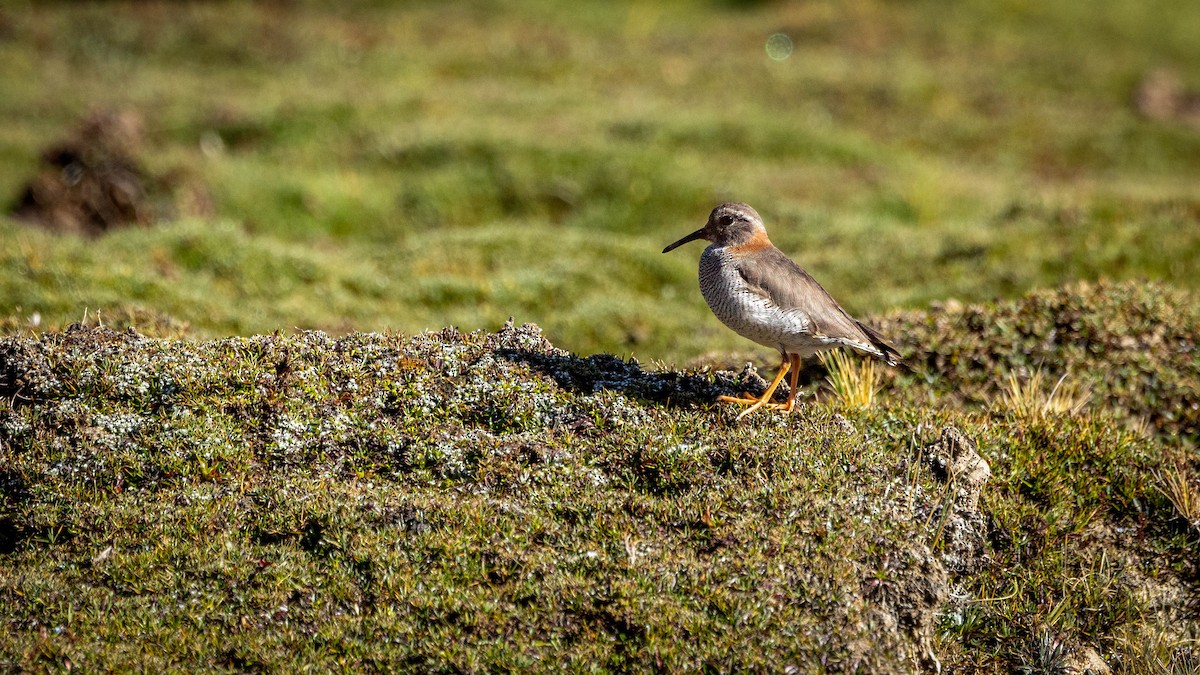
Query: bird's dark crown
[[734, 224]]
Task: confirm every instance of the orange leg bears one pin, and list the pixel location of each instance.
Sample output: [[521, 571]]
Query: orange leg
[[765, 399], [791, 402]]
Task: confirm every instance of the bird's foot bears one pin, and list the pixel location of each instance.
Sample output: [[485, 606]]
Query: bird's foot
[[744, 397], [747, 399], [754, 403]]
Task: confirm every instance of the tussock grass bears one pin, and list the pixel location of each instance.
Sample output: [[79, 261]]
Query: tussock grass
[[1175, 484], [1029, 399], [853, 381], [1159, 652]]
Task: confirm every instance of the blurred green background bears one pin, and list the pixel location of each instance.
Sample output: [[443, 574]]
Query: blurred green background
[[406, 166]]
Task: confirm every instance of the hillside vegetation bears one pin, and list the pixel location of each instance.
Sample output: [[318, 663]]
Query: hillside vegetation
[[486, 501]]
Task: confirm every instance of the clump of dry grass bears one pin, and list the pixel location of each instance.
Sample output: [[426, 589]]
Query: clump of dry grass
[[1029, 400], [1155, 649], [1175, 486], [854, 382], [1139, 426]]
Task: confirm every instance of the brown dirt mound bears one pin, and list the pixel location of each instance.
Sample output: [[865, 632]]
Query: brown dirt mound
[[1162, 96], [92, 181]]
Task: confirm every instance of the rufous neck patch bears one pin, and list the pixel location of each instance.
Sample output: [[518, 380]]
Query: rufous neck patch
[[758, 242]]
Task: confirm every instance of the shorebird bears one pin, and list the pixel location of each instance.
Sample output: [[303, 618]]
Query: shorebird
[[763, 296]]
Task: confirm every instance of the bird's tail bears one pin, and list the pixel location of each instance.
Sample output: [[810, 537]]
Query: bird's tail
[[887, 351]]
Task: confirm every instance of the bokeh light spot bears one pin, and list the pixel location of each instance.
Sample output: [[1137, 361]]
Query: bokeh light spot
[[779, 47]]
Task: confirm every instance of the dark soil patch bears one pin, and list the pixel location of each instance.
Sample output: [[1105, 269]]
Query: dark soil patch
[[93, 181]]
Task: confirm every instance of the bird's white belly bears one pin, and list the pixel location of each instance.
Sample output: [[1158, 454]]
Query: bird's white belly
[[751, 315]]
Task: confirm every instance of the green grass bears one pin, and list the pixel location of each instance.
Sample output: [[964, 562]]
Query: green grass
[[469, 164]]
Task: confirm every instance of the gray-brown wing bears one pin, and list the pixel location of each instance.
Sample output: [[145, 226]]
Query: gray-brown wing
[[791, 288]]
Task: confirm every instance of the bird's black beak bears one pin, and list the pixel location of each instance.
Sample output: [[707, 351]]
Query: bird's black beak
[[698, 234]]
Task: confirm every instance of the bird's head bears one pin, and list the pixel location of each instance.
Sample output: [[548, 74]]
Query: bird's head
[[730, 224]]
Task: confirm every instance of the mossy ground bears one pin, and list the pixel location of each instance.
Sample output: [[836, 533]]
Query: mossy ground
[[486, 501]]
